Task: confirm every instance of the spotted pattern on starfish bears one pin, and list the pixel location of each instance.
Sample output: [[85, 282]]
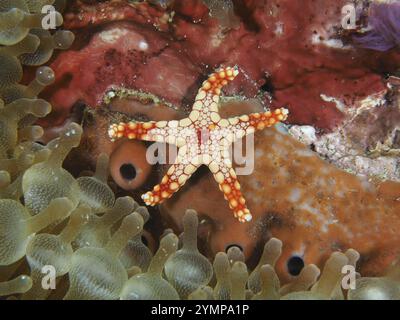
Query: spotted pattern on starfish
[[202, 138]]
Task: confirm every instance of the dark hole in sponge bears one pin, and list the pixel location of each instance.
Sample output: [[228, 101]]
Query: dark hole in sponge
[[268, 86], [295, 264], [128, 171], [232, 246], [144, 240]]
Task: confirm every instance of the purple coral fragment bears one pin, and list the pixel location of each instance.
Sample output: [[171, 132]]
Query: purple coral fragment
[[384, 22]]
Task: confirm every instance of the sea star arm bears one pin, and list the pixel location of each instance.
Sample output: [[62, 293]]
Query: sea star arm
[[175, 178], [247, 124], [207, 99], [228, 183], [160, 131]]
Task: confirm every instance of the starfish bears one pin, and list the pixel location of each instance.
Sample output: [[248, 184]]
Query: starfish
[[203, 138]]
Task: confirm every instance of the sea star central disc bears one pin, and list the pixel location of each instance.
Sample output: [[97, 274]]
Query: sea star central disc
[[202, 138]]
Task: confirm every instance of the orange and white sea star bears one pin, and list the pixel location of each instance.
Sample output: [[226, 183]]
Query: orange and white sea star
[[203, 138]]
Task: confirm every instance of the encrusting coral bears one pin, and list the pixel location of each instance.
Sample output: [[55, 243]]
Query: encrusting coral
[[93, 238]]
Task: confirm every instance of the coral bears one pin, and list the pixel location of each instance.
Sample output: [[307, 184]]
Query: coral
[[366, 143], [383, 31], [95, 238], [289, 53], [224, 12], [202, 138]]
